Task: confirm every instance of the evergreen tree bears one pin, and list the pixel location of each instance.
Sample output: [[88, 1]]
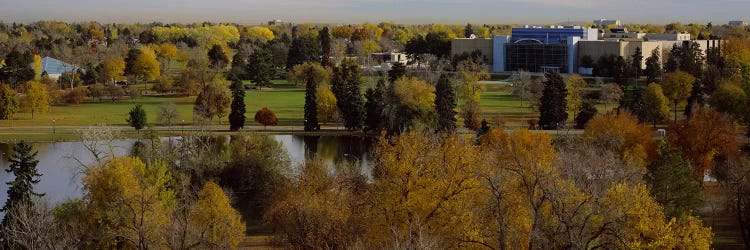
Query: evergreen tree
[[137, 117], [311, 106], [260, 69], [672, 183], [672, 63], [237, 114], [637, 62], [345, 85], [325, 46], [23, 166], [374, 120], [632, 101], [17, 68], [445, 104], [468, 30], [397, 71], [217, 58], [303, 49], [553, 109], [588, 111], [653, 66]]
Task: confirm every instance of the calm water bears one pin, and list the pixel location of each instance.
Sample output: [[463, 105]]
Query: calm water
[[58, 162]]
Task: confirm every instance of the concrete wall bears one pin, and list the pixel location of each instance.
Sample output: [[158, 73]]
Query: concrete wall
[[463, 45], [596, 49], [498, 42]]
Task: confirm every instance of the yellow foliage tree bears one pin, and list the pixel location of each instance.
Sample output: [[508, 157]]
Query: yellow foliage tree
[[114, 66], [38, 67], [220, 226], [130, 202], [37, 98], [414, 92], [260, 33], [622, 132], [575, 86], [146, 66], [422, 192], [326, 103]]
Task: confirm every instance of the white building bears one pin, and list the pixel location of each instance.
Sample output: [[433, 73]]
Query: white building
[[606, 22]]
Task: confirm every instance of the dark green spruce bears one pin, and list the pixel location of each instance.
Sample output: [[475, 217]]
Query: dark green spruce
[[445, 104], [552, 111], [237, 114]]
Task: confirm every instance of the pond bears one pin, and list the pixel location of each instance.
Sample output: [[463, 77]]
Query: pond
[[59, 162]]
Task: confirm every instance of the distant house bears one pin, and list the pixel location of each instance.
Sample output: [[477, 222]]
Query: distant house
[[55, 68], [737, 23]]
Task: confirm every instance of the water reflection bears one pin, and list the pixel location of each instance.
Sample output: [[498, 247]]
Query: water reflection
[[60, 162]]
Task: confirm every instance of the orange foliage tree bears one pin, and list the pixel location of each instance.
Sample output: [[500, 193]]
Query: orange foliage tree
[[621, 131], [703, 137], [266, 117]]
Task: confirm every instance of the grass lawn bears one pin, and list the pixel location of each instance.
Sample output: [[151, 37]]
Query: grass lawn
[[284, 99], [287, 103]]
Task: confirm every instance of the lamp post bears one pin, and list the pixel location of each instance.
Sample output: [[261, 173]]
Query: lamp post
[[53, 126], [183, 127]]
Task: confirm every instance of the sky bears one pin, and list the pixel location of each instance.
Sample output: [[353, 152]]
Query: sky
[[358, 11]]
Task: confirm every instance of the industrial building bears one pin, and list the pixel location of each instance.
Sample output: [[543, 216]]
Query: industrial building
[[560, 49]]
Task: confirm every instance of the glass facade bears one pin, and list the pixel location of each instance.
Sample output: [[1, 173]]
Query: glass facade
[[536, 57], [547, 36]]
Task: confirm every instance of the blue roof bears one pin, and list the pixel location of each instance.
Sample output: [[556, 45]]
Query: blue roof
[[54, 66]]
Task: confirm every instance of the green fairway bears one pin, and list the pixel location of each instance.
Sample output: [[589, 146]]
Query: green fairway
[[286, 103], [284, 99]]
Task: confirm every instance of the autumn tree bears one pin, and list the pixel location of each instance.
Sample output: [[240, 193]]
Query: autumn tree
[[266, 117], [410, 102], [610, 93], [237, 115], [37, 98], [552, 111], [656, 104], [730, 99], [527, 88], [137, 117], [445, 104], [470, 73], [325, 102], [317, 208], [421, 187], [311, 74], [702, 138], [677, 87], [168, 115], [212, 102], [575, 86], [218, 224], [145, 65], [114, 66], [129, 202], [623, 133], [9, 104]]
